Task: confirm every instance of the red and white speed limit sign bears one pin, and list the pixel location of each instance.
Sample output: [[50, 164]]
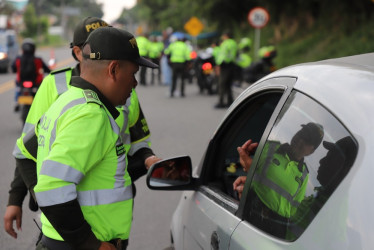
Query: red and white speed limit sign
[[258, 17]]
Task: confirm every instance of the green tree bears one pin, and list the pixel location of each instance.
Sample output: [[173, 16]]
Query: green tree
[[30, 21], [35, 26]]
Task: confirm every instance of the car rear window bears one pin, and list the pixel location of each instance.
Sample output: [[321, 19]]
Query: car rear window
[[304, 159]]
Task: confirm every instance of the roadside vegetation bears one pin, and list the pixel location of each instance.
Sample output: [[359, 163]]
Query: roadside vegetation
[[301, 30]]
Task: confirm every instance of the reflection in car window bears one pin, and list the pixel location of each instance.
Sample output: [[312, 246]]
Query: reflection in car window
[[305, 157], [247, 121]]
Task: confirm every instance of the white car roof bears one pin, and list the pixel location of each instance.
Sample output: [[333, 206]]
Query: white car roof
[[343, 85]]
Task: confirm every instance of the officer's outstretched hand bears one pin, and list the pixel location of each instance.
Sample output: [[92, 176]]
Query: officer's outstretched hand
[[12, 213], [107, 246], [151, 160], [244, 154]]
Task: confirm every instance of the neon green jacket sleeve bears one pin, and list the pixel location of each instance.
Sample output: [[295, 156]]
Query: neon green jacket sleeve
[[46, 95]]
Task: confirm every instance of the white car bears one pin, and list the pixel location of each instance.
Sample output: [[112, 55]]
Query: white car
[[312, 192]]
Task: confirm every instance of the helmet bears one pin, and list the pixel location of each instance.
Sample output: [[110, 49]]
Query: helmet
[[245, 42], [28, 46], [267, 52]]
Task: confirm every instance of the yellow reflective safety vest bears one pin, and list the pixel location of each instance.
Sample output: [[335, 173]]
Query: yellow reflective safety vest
[[51, 88], [178, 51], [279, 182], [81, 155], [143, 45]]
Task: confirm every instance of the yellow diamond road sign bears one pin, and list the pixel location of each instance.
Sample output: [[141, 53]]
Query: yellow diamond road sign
[[194, 26]]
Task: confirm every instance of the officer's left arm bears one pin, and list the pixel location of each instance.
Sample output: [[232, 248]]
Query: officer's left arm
[[18, 190]]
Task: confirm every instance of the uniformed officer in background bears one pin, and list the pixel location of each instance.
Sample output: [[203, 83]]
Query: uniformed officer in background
[[84, 189], [226, 69], [156, 48], [143, 43], [179, 54], [53, 86]]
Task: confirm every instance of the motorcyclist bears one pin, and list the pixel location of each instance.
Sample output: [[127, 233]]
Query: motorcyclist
[[28, 68], [263, 67]]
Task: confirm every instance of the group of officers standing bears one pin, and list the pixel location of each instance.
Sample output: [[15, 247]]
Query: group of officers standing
[[178, 56], [232, 61]]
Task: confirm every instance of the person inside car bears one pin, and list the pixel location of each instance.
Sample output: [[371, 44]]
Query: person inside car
[[279, 183]]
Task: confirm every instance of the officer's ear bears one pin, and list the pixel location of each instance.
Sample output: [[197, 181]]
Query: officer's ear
[[112, 69]]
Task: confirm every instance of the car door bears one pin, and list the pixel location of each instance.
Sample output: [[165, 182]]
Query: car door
[[209, 214], [283, 209]]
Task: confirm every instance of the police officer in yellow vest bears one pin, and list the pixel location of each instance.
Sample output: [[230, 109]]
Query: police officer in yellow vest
[[155, 52], [143, 43], [226, 69], [53, 86], [179, 57], [84, 189], [280, 181]]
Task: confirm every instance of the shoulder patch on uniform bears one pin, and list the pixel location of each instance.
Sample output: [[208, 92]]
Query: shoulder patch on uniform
[[91, 96], [57, 71]]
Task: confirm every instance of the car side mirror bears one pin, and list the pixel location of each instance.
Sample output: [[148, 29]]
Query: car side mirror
[[171, 174]]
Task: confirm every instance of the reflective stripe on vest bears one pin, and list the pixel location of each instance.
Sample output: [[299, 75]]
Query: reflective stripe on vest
[[67, 173], [27, 128], [68, 106], [61, 82], [30, 142]]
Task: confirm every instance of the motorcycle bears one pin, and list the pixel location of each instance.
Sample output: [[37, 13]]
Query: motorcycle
[[206, 77], [28, 90]]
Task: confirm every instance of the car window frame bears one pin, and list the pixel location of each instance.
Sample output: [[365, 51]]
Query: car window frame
[[281, 85]]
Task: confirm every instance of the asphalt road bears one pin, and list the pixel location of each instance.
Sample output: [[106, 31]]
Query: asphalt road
[[179, 126]]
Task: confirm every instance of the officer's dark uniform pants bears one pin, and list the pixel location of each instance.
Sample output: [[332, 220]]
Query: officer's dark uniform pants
[[156, 71], [178, 72], [225, 83]]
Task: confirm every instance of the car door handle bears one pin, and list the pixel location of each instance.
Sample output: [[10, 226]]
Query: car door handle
[[214, 241]]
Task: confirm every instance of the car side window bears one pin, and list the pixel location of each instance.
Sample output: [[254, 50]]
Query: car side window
[[306, 155], [248, 121]]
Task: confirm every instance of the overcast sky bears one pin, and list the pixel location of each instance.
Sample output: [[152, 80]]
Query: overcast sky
[[113, 8]]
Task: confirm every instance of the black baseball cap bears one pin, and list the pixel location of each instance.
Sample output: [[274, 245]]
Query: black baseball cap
[[109, 43], [345, 146], [84, 28], [312, 133]]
